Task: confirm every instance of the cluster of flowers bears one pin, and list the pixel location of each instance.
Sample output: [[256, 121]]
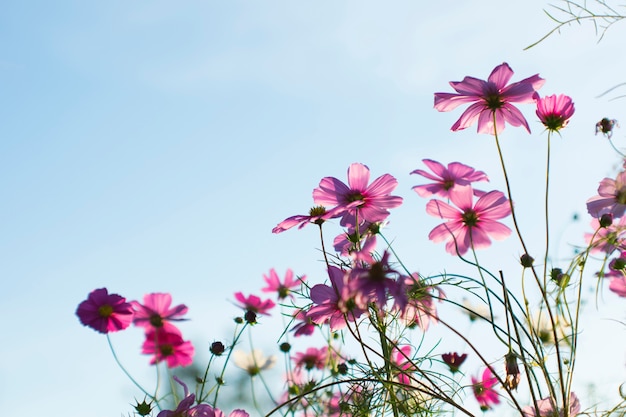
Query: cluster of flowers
[[369, 286]]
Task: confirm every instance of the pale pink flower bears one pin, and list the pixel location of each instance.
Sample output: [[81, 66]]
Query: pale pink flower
[[490, 97], [254, 304], [611, 197], [334, 304], [360, 201], [105, 312], [155, 312], [607, 239], [618, 285], [420, 309], [283, 289], [446, 178], [554, 111], [311, 358], [547, 408], [484, 390], [168, 346], [469, 225]]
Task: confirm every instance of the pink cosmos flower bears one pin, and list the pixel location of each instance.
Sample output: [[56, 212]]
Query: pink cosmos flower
[[156, 313], [317, 215], [283, 289], [547, 408], [105, 312], [185, 409], [484, 389], [607, 239], [554, 111], [618, 285], [446, 178], [611, 197], [400, 357], [305, 327], [311, 358], [254, 303], [420, 309], [490, 97], [168, 346], [469, 225], [334, 304], [360, 201]]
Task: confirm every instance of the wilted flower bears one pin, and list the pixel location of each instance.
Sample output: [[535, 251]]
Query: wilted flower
[[512, 379], [606, 126]]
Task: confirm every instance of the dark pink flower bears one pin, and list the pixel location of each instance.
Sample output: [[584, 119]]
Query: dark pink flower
[[484, 390], [311, 358], [554, 111], [374, 282], [611, 197], [283, 289], [156, 313], [454, 360], [168, 346], [105, 312], [254, 304], [317, 215], [490, 97], [446, 178], [305, 326], [334, 304], [469, 225], [547, 408], [360, 201]]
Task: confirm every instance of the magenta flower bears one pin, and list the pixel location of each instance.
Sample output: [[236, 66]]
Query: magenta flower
[[311, 358], [360, 201], [254, 304], [489, 98], [446, 178], [105, 312], [305, 326], [611, 197], [554, 111], [283, 289], [334, 304], [168, 346], [547, 408], [469, 225], [484, 390], [401, 360], [156, 313], [317, 215]]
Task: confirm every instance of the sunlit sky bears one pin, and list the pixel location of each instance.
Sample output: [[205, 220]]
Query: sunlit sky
[[152, 145]]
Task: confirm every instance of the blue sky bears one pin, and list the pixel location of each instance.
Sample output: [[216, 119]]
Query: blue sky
[[152, 146]]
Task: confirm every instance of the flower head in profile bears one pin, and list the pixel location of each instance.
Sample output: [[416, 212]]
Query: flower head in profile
[[156, 311], [254, 304], [554, 111], [283, 289], [618, 284], [401, 359], [611, 197], [469, 225], [446, 178], [547, 408], [484, 391], [168, 346], [105, 312], [490, 99], [454, 360], [359, 200], [254, 362], [317, 215]]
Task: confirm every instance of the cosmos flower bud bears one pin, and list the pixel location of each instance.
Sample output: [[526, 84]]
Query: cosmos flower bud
[[526, 260], [217, 348], [606, 220]]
